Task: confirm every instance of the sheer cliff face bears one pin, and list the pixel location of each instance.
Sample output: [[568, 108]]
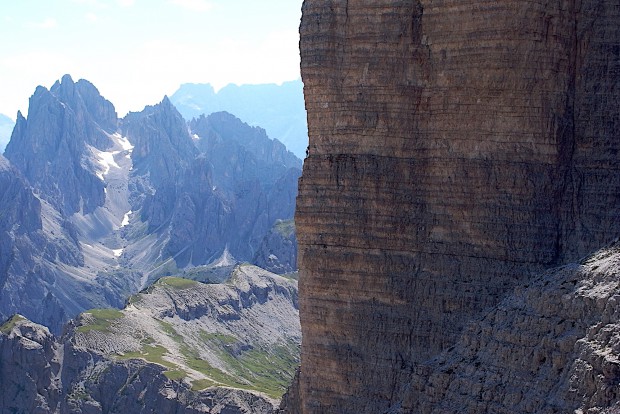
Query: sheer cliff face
[[455, 148]]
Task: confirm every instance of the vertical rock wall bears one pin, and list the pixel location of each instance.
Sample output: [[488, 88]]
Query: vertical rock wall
[[455, 147]]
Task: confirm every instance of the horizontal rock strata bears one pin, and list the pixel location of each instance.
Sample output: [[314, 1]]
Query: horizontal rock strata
[[455, 148]]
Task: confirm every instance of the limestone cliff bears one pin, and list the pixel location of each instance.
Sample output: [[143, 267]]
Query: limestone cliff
[[456, 148]]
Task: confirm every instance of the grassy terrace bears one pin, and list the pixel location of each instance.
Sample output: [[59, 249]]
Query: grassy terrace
[[8, 326], [177, 282], [103, 319], [262, 368]]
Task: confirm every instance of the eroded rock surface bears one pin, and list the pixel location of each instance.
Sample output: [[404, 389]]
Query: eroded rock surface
[[179, 347], [551, 346], [456, 148]]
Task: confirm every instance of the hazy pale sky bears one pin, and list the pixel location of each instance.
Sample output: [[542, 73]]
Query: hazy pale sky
[[136, 51]]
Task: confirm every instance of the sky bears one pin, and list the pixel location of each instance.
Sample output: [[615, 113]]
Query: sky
[[137, 51]]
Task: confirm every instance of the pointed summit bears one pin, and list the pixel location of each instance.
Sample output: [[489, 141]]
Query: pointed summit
[[83, 97], [162, 141], [62, 123], [166, 101], [65, 87]]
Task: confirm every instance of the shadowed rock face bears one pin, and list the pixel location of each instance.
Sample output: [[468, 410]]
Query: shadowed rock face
[[278, 251], [455, 149], [550, 346]]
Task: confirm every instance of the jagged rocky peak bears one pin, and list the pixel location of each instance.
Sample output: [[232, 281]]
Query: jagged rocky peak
[[243, 154], [241, 180], [162, 143], [222, 126], [52, 146], [90, 215], [84, 97], [277, 108]]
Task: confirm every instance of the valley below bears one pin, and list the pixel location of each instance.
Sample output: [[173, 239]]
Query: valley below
[[126, 258], [179, 346]]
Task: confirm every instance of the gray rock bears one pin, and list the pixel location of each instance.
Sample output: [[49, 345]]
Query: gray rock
[[50, 148], [119, 204], [277, 108], [106, 360], [278, 251]]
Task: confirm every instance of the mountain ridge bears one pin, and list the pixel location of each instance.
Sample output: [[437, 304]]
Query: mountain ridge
[[122, 202], [277, 108], [179, 346]]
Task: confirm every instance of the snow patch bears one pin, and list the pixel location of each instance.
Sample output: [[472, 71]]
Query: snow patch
[[123, 142], [226, 259], [117, 252], [106, 161], [196, 137], [126, 218]]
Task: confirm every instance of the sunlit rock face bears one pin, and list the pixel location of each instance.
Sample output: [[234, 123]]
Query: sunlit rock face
[[456, 149], [52, 145], [180, 346], [94, 208]]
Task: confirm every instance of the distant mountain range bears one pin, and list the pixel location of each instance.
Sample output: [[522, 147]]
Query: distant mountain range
[[95, 208], [279, 109], [6, 127]]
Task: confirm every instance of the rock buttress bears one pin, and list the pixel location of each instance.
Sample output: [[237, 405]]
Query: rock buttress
[[455, 148]]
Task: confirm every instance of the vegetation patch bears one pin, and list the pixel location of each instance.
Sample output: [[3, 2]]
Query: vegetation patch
[[215, 375], [201, 384], [102, 320], [171, 332], [269, 371], [151, 353], [177, 282], [8, 326], [175, 374], [258, 369], [217, 338], [265, 370]]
